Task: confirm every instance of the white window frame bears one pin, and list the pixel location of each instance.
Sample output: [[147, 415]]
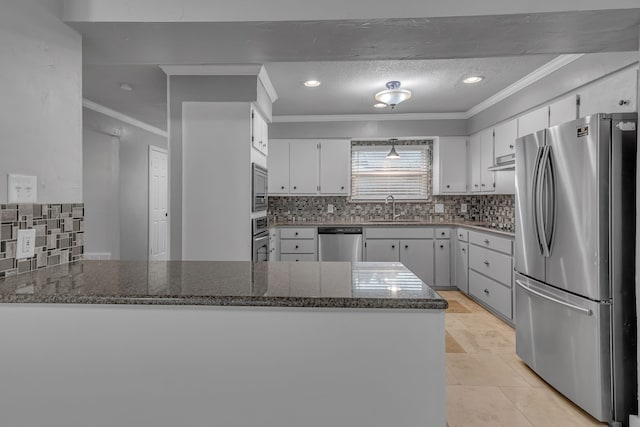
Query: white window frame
[[422, 173]]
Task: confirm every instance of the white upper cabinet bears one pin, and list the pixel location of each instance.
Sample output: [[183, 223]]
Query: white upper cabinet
[[474, 162], [487, 178], [303, 167], [335, 167], [533, 121], [449, 165], [505, 138], [278, 167], [259, 132], [614, 94], [563, 110]]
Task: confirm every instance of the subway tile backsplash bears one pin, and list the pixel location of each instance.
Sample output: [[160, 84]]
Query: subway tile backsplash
[[497, 211], [59, 235]]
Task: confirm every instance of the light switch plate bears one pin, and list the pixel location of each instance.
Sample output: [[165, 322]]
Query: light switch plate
[[22, 188], [329, 208], [439, 208], [463, 207], [26, 244]]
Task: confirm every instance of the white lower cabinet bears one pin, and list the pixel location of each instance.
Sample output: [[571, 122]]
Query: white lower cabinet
[[417, 256], [462, 266], [382, 250], [298, 244], [443, 263], [494, 294]]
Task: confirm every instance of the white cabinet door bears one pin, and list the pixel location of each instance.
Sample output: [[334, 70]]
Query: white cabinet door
[[382, 250], [258, 131], [462, 266], [563, 110], [417, 256], [443, 263], [265, 137], [533, 121], [505, 138], [278, 166], [449, 165], [335, 167], [614, 94], [474, 162], [487, 178], [303, 167]]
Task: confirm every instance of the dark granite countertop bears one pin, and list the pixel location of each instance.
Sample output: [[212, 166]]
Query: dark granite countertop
[[480, 226], [265, 284]]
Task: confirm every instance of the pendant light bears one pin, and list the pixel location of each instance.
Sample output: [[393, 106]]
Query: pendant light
[[393, 154], [393, 95]]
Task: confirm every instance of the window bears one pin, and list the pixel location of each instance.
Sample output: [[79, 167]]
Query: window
[[373, 176]]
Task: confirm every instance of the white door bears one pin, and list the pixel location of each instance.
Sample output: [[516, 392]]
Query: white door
[[474, 162], [158, 202], [462, 266], [303, 167], [278, 166], [382, 251], [443, 263], [453, 155], [335, 167], [505, 138], [417, 256], [487, 178]]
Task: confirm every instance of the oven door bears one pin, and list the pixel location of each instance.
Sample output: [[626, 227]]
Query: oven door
[[259, 189], [260, 247]]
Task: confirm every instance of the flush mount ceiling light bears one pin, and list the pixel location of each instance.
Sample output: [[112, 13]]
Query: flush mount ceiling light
[[473, 79], [312, 83], [127, 87], [393, 154], [393, 95]]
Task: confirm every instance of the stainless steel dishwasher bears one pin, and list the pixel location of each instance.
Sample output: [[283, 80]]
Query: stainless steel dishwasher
[[340, 243]]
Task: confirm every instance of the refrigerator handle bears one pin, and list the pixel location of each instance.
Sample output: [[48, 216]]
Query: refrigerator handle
[[536, 203], [532, 291], [546, 221]]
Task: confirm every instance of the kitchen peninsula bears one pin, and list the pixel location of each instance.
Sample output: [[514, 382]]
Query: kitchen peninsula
[[106, 343]]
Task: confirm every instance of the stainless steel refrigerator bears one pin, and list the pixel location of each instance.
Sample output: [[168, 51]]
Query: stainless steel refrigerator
[[574, 260]]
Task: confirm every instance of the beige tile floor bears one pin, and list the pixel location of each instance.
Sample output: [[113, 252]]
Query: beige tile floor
[[487, 384]]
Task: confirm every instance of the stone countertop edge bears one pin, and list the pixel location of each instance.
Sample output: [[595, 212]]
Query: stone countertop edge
[[232, 301], [473, 226]]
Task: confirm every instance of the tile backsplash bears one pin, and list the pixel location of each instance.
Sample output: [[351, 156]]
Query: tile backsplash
[[59, 235], [496, 210]]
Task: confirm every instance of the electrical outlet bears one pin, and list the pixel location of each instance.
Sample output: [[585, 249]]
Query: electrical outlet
[[329, 208], [439, 208], [26, 244], [463, 207], [22, 188]]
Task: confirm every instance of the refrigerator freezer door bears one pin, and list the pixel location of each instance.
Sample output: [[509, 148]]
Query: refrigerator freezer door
[[528, 252], [578, 259], [565, 340]]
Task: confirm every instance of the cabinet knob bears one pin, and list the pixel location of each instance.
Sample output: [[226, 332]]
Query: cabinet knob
[[443, 233], [482, 185], [406, 246], [342, 188], [441, 246], [393, 246], [463, 250], [297, 246], [282, 188], [460, 235], [486, 291], [486, 263], [511, 146], [296, 233], [295, 188], [448, 186], [486, 241], [475, 185]]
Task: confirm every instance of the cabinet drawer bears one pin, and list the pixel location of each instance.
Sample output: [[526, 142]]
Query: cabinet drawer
[[398, 233], [463, 235], [297, 246], [489, 241], [491, 293], [298, 233], [442, 233], [298, 257], [491, 263]]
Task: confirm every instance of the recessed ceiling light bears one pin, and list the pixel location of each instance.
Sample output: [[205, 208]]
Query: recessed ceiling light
[[473, 79], [380, 105], [312, 83], [127, 87]]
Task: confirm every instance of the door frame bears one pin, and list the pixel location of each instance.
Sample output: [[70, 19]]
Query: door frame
[[155, 148]]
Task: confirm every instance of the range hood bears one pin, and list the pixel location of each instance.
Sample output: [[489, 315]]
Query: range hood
[[504, 163]]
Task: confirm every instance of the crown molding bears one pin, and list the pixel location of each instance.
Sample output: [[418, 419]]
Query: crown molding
[[224, 70], [539, 73], [367, 117], [122, 117]]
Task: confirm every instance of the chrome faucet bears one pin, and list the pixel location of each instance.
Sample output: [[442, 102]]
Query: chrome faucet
[[393, 206]]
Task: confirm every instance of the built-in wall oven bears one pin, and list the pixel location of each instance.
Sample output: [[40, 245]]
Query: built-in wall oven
[[260, 246], [258, 188]]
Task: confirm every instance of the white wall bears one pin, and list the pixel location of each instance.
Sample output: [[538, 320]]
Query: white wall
[[41, 101], [216, 186]]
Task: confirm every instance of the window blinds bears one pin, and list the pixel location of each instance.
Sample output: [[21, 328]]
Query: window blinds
[[373, 176]]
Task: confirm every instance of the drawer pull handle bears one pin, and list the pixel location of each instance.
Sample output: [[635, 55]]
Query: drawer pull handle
[[526, 288], [296, 246], [393, 246], [443, 233], [441, 246], [463, 250], [282, 188], [486, 291], [295, 188], [485, 263], [448, 186], [406, 246], [296, 233], [486, 241], [342, 188]]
